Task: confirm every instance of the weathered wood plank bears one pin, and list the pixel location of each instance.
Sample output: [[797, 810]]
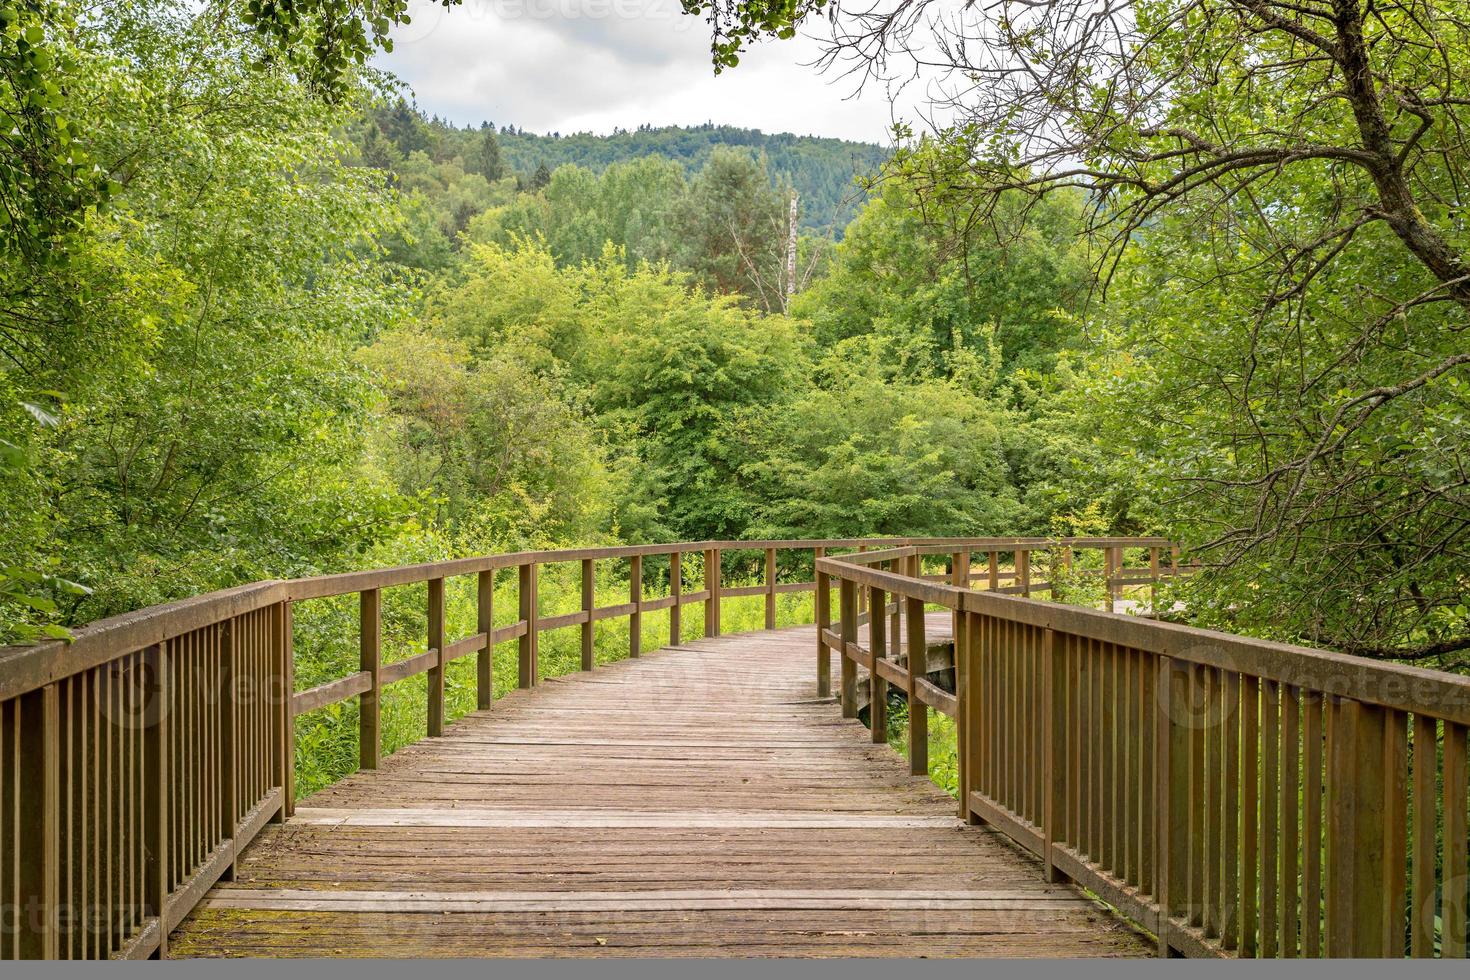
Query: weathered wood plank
[[696, 801]]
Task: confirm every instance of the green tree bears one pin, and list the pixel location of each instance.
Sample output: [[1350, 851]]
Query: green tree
[[910, 278], [867, 456], [203, 428], [733, 228], [1289, 175], [489, 163], [491, 445]]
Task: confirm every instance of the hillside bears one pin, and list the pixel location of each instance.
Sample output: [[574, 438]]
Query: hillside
[[822, 170]]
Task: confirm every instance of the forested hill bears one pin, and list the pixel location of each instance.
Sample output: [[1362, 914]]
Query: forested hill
[[821, 170]]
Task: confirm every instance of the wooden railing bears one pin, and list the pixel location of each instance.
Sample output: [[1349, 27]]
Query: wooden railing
[[1231, 795], [138, 760]]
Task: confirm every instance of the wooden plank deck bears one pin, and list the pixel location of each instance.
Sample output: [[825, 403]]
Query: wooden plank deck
[[694, 802]]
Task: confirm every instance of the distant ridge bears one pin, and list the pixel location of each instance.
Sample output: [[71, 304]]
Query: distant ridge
[[821, 169]]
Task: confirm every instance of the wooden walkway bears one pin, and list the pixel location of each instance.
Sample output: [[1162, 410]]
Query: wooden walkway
[[694, 802]]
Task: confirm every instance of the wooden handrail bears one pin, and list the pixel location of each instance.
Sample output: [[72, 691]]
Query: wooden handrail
[[172, 729], [178, 720], [1232, 795]]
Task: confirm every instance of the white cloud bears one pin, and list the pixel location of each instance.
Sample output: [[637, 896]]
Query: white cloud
[[575, 65]]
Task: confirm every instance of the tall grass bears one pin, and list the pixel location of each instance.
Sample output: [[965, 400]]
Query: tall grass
[[327, 645]]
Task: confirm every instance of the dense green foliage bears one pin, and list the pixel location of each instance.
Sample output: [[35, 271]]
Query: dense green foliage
[[262, 319], [821, 170], [1274, 195]]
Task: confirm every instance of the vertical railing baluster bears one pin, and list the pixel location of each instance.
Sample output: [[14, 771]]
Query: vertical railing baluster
[[717, 584], [917, 663], [1395, 775], [589, 602], [229, 752], [822, 612], [1250, 814], [285, 727], [1054, 755], [1171, 795], [676, 589], [770, 584], [156, 789], [38, 825], [1355, 851], [968, 716], [877, 650], [484, 623], [1270, 832], [635, 596], [1426, 805], [370, 659], [1456, 841], [847, 595], [436, 646], [527, 666]]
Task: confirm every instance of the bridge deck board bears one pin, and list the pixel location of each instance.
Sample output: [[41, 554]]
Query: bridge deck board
[[694, 802]]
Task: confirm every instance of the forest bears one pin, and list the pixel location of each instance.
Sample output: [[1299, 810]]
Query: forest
[[263, 318]]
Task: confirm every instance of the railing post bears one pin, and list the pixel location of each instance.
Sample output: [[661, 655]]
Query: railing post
[[993, 578], [847, 596], [156, 789], [917, 668], [526, 661], [589, 602], [38, 826], [1171, 794], [436, 643], [285, 716], [712, 587], [878, 650], [1115, 574], [1153, 572], [822, 613], [894, 622], [1023, 572], [676, 589], [370, 659], [635, 596], [770, 588], [962, 571], [484, 623]]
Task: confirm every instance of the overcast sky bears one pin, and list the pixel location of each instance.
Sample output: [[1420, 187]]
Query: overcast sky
[[574, 65]]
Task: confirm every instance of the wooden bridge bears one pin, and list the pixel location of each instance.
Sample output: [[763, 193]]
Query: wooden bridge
[[1125, 786]]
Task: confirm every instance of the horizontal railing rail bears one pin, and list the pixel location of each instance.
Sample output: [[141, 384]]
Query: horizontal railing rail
[[140, 758], [1234, 796]]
